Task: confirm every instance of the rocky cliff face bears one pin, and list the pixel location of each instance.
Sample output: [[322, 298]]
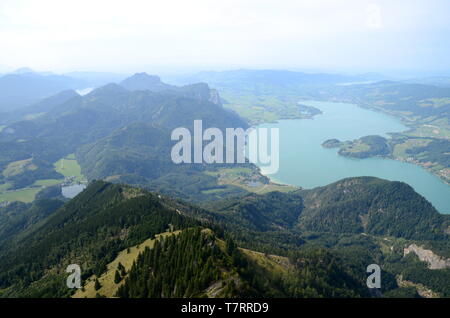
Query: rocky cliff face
[[214, 97], [434, 261]]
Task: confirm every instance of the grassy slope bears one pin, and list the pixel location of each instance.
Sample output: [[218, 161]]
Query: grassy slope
[[22, 195], [255, 109], [259, 107], [19, 167], [271, 263], [109, 288], [399, 150], [26, 195], [240, 177]]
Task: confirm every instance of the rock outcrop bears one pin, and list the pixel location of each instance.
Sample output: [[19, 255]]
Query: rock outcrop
[[434, 261]]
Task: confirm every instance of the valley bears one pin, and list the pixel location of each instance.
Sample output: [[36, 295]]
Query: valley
[[308, 231], [424, 109], [221, 157], [301, 168]]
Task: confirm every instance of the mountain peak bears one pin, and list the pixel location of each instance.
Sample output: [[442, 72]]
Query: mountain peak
[[144, 81], [23, 70], [145, 76], [107, 89]]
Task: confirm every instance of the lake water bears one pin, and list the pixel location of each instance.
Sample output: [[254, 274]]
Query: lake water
[[73, 190], [304, 162]]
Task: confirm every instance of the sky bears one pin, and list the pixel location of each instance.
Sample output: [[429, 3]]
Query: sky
[[351, 36]]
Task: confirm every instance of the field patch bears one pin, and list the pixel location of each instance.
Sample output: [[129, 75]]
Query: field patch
[[258, 108], [23, 195], [69, 167], [435, 102], [433, 131], [18, 167], [272, 263], [248, 179], [26, 195], [400, 149]]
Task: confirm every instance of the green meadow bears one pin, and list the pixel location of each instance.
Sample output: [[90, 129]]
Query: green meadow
[[69, 167], [262, 108], [242, 177]]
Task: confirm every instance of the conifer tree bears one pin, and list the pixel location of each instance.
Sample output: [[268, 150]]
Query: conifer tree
[[117, 277], [121, 269], [97, 284]]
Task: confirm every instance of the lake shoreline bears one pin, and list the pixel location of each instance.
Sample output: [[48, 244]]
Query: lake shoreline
[[300, 172]]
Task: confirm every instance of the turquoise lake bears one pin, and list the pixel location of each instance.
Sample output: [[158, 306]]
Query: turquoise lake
[[304, 162]]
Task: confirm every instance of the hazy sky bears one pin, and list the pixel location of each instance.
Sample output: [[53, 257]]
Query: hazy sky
[[166, 35]]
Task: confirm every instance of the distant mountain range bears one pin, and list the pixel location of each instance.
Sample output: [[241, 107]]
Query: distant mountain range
[[409, 100], [24, 88], [115, 126], [443, 81], [280, 78], [97, 79]]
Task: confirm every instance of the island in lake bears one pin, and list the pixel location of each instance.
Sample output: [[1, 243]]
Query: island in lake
[[364, 147], [307, 112], [430, 153]]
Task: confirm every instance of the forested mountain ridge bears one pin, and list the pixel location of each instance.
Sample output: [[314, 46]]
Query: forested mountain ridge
[[18, 217], [279, 79], [91, 229], [143, 81], [106, 219], [272, 211], [140, 154], [85, 122], [373, 206], [86, 118], [211, 267], [361, 219], [353, 205], [37, 109]]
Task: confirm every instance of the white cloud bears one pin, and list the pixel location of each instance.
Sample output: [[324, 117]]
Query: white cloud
[[374, 16], [120, 35]]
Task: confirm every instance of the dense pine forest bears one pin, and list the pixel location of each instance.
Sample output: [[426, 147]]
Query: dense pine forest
[[198, 264], [253, 246]]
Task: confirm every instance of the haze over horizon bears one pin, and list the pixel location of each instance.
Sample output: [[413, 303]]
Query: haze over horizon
[[401, 37]]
